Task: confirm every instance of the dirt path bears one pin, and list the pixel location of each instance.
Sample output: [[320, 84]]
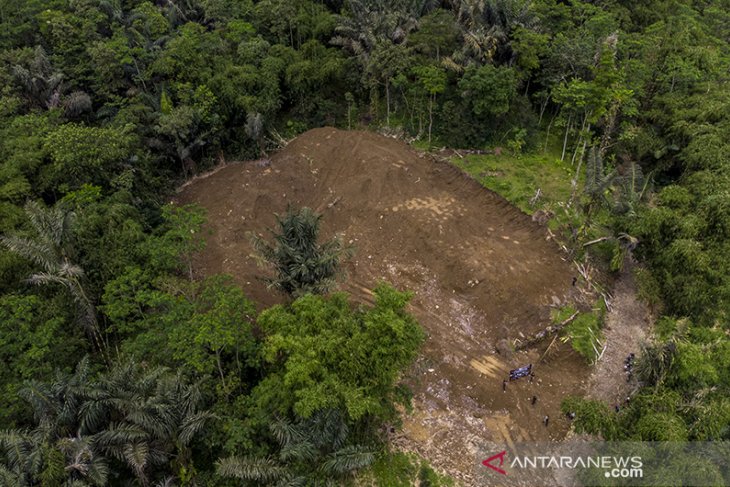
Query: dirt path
[[627, 326]]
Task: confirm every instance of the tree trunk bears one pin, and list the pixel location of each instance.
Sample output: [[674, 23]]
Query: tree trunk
[[430, 118], [610, 123], [547, 133], [374, 101], [387, 103], [220, 370], [543, 106], [565, 139], [574, 182], [93, 324], [580, 136], [546, 332]]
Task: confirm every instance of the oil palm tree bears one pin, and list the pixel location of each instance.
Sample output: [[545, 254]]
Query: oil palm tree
[[144, 418], [302, 265], [56, 450], [49, 247], [372, 21], [655, 361], [33, 460], [486, 26], [313, 450], [374, 28], [40, 83]]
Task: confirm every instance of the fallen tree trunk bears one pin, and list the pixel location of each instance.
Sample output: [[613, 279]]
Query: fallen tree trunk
[[598, 240], [548, 331]]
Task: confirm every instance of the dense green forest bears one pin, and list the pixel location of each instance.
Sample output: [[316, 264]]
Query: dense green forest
[[122, 369]]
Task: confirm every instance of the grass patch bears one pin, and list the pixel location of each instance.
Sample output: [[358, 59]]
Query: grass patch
[[649, 289], [665, 327], [518, 178], [561, 314], [398, 469], [422, 144]]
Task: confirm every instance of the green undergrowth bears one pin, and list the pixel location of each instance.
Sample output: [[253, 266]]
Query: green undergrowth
[[398, 469], [584, 331], [518, 177]]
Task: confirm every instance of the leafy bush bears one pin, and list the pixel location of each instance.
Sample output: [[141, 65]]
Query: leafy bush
[[584, 332]]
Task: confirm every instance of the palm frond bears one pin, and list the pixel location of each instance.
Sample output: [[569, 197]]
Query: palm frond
[[10, 479], [193, 424], [17, 446], [136, 456], [303, 451], [253, 469], [38, 252], [348, 459], [292, 481], [166, 482], [115, 439], [285, 432]]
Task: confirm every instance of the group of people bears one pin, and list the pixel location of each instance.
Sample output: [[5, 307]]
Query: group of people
[[629, 369], [526, 371], [629, 366]]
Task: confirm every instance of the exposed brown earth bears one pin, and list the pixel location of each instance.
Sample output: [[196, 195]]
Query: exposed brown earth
[[480, 270]]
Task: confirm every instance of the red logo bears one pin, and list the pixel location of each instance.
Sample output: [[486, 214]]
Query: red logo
[[488, 462]]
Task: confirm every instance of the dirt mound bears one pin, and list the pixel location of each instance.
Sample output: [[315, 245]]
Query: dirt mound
[[480, 269]]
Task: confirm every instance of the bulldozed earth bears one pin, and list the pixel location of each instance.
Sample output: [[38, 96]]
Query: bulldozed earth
[[483, 275]]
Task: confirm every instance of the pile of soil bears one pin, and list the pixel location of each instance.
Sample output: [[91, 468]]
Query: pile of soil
[[481, 272]]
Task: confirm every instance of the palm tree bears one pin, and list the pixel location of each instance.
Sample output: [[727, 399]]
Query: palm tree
[[40, 83], [57, 404], [374, 28], [301, 264], [312, 450], [145, 418], [655, 361], [371, 21], [55, 450], [486, 27], [50, 249], [631, 188]]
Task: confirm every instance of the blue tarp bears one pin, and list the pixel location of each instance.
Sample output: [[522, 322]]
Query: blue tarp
[[520, 372]]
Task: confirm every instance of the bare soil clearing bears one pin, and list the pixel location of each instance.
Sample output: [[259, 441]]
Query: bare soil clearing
[[479, 268]]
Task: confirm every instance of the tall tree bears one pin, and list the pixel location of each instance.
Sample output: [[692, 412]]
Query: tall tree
[[50, 248], [328, 355]]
